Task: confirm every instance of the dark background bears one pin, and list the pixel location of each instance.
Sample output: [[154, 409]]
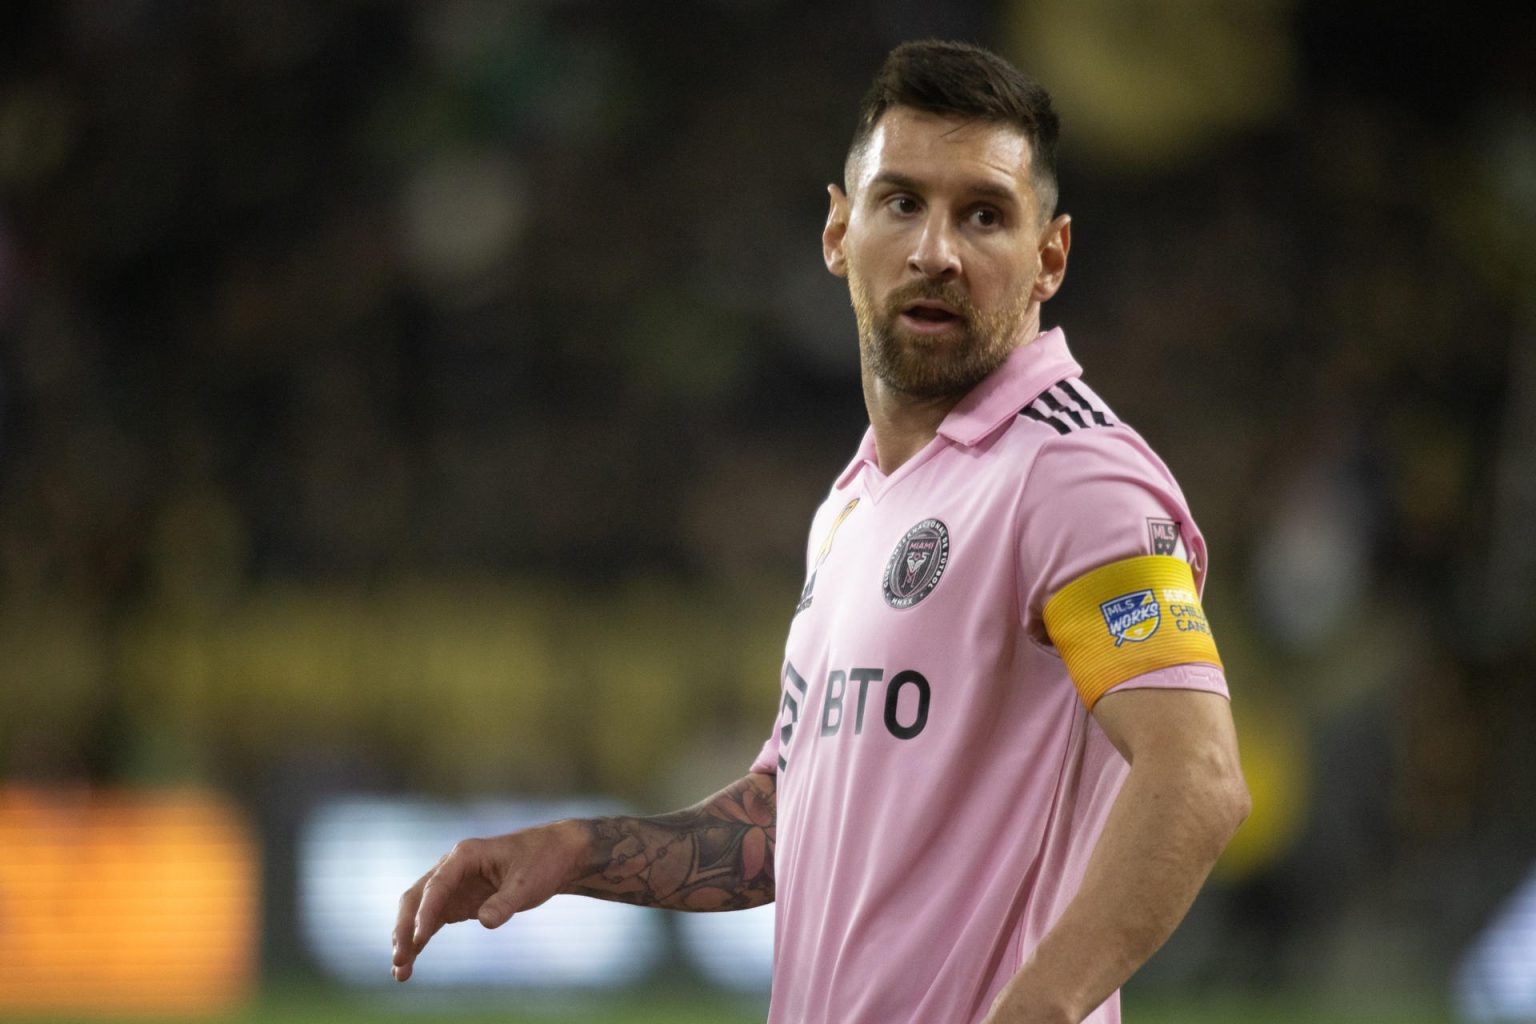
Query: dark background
[[432, 398]]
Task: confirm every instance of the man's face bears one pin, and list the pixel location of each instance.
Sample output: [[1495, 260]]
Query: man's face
[[941, 240]]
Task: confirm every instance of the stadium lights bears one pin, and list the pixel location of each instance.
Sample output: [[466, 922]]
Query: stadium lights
[[1497, 978]]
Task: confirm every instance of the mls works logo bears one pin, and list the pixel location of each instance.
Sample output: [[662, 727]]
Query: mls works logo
[[917, 564], [1132, 617]]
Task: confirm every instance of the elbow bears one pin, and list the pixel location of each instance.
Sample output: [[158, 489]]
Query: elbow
[[1226, 791], [1232, 802], [1241, 802], [1217, 793]]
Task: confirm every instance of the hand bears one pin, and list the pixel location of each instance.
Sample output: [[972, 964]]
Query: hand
[[486, 879]]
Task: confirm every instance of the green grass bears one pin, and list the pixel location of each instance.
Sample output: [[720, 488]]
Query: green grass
[[1284, 1010], [688, 1006], [403, 1006]]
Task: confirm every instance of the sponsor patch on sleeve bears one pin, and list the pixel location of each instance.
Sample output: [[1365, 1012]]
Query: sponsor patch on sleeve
[[1126, 618], [1166, 537]]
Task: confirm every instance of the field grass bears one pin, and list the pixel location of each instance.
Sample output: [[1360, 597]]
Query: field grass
[[1285, 1010], [689, 1006]]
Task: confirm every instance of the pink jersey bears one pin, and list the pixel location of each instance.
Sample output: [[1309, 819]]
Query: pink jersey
[[941, 783]]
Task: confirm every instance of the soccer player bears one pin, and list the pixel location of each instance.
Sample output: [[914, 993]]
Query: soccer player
[[1004, 760]]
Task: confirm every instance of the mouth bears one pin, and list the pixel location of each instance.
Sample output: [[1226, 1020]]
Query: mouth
[[929, 316]]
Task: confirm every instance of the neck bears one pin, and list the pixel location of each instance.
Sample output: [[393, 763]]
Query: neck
[[904, 423]]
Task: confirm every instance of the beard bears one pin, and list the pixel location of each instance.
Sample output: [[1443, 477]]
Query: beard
[[932, 366]]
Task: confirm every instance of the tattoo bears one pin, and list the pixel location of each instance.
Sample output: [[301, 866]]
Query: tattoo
[[717, 855]]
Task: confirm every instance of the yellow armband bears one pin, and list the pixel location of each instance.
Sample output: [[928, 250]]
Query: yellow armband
[[1126, 618]]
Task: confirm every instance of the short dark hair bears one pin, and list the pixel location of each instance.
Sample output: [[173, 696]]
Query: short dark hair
[[961, 80]]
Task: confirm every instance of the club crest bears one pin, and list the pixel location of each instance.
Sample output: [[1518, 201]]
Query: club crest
[[917, 564], [1134, 616]]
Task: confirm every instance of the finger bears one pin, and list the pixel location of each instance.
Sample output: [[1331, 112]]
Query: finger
[[402, 940], [402, 949], [402, 960], [405, 923], [440, 887], [405, 916]]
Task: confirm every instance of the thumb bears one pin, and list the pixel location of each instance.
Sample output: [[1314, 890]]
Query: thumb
[[497, 910]]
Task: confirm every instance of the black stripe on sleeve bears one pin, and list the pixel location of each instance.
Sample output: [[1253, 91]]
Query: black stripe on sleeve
[[1039, 417], [1050, 400], [1076, 396]]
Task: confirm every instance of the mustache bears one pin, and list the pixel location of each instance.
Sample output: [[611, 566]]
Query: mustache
[[935, 291]]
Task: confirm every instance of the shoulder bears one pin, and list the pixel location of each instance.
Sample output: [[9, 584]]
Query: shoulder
[[1077, 447], [1095, 493], [1068, 406]]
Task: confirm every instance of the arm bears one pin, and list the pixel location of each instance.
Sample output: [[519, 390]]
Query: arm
[[716, 855], [1182, 799]]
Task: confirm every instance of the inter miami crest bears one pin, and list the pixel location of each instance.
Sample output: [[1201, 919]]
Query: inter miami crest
[[917, 564]]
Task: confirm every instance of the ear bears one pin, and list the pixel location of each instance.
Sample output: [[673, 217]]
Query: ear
[[1055, 242], [832, 235]]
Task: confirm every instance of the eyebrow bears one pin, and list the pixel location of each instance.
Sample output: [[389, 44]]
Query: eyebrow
[[984, 189]]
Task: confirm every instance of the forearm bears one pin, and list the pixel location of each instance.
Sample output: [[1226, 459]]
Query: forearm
[[1168, 825], [716, 855]]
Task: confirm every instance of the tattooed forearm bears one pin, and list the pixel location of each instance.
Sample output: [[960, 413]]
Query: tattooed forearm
[[717, 855]]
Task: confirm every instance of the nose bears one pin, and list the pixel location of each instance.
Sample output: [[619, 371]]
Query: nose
[[936, 254]]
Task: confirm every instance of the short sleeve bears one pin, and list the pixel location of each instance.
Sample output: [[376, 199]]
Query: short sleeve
[[1111, 564]]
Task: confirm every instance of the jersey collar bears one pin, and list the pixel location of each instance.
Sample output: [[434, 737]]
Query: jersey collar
[[1028, 370], [865, 456]]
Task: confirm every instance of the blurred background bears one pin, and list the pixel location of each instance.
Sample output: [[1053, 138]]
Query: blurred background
[[410, 415]]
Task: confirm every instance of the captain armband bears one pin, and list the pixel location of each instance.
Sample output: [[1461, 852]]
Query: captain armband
[[1127, 618]]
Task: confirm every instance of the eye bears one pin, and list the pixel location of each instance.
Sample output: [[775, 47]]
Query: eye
[[904, 205], [986, 217]]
